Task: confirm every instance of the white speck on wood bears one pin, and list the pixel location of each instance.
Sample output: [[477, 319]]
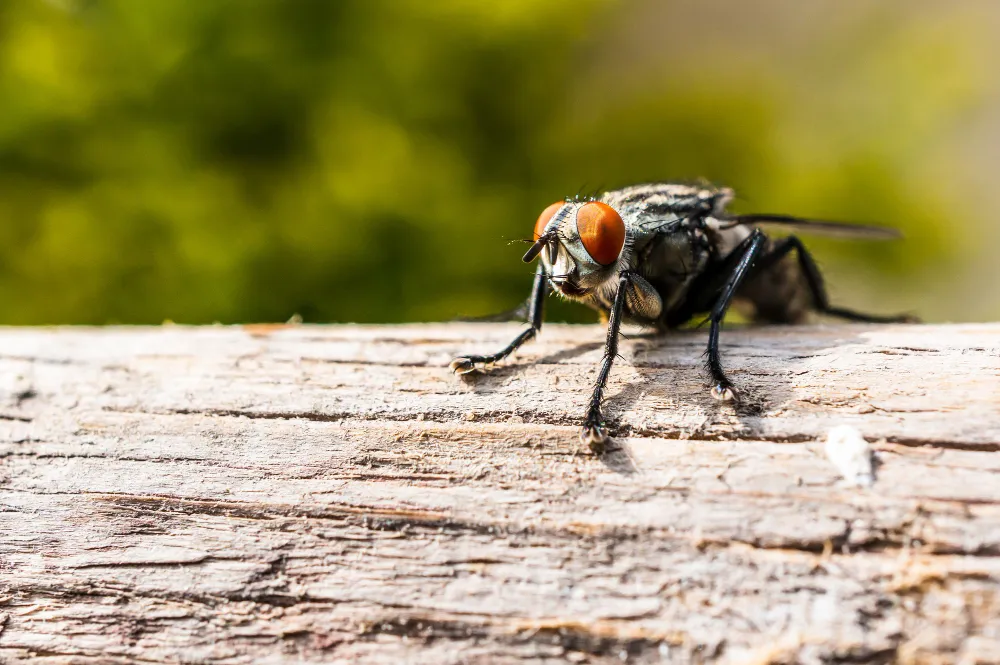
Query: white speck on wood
[[851, 454]]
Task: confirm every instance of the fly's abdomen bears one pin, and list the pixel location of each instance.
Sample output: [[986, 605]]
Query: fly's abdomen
[[778, 293]]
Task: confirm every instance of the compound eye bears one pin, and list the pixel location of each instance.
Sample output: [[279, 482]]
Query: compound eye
[[601, 231], [545, 217]]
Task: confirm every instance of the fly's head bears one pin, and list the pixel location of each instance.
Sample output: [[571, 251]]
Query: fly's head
[[580, 243]]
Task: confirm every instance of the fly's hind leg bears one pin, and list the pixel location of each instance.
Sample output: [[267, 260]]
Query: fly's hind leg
[[814, 280], [536, 304]]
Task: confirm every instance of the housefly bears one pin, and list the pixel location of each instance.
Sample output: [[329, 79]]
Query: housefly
[[660, 254]]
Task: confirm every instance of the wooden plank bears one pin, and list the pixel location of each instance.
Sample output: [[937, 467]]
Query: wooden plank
[[334, 494]]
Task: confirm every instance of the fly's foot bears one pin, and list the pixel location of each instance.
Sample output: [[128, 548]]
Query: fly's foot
[[725, 392], [595, 437], [462, 365], [467, 364]]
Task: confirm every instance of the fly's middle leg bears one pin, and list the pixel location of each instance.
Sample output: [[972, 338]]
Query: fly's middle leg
[[722, 387], [466, 364]]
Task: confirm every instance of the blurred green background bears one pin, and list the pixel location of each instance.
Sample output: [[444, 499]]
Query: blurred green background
[[247, 160]]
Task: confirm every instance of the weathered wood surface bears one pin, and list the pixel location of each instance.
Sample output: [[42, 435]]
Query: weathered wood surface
[[334, 494]]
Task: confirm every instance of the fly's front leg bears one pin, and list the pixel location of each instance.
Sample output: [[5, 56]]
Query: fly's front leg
[[466, 364], [594, 433], [722, 387]]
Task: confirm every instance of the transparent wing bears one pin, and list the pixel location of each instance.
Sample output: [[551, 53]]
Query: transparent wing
[[818, 226]]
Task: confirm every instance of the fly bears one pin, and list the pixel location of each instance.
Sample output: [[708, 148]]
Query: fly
[[660, 254]]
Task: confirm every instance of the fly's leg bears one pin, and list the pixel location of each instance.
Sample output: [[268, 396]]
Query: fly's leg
[[594, 433], [536, 304], [722, 387], [814, 279]]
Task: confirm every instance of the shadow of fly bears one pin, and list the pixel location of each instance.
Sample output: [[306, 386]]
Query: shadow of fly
[[661, 254]]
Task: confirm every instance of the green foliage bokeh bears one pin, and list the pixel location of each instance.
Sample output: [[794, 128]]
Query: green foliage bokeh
[[245, 160]]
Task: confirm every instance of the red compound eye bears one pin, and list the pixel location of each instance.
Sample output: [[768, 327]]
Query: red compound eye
[[602, 231], [544, 218]]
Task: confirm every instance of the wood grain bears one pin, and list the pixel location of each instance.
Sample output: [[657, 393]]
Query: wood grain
[[271, 494]]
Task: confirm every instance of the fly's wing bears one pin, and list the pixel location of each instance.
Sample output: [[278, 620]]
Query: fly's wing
[[817, 226]]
